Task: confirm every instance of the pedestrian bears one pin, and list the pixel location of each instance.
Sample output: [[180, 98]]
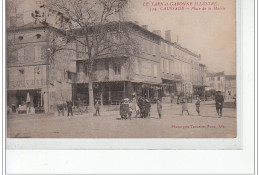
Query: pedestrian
[[69, 107], [219, 99], [135, 106], [60, 109], [97, 107], [184, 106], [235, 101], [80, 106], [159, 108], [197, 103], [147, 108]]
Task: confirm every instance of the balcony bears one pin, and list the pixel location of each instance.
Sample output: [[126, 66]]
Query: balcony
[[81, 77], [25, 84]]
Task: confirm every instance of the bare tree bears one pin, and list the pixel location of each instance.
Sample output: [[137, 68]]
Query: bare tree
[[95, 25]]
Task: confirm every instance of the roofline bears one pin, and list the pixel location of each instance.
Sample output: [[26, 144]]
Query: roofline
[[21, 28]]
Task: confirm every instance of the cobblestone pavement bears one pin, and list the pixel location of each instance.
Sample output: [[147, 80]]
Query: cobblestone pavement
[[109, 125]]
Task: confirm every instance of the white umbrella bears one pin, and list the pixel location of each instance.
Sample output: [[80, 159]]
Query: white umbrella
[[28, 99]]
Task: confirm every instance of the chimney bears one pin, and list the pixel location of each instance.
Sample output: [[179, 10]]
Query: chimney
[[145, 26], [168, 35], [157, 32]]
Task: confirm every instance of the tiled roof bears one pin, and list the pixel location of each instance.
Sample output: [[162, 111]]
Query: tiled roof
[[215, 74], [230, 77]]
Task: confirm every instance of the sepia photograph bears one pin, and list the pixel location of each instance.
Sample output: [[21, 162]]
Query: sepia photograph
[[121, 69]]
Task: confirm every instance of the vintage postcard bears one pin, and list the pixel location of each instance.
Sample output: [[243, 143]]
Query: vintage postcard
[[98, 69]]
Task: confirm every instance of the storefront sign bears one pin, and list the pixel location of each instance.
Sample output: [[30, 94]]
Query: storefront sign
[[26, 84]]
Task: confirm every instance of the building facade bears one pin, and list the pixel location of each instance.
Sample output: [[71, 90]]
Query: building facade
[[31, 75], [160, 69], [230, 86], [220, 82], [216, 81]]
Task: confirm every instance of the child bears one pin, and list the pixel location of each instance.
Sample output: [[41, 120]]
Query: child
[[184, 106], [197, 103]]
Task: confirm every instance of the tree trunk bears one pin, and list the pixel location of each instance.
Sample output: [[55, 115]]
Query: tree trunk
[[91, 98]]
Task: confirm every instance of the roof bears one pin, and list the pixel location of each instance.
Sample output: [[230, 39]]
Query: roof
[[31, 26], [215, 74], [230, 77]]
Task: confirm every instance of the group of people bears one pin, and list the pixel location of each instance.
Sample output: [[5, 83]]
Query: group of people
[[142, 106], [61, 108], [219, 101]]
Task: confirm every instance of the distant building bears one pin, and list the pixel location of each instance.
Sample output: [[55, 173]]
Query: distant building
[[221, 82], [216, 81], [230, 86]]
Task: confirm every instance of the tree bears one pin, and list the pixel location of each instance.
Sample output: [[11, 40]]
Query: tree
[[90, 24]]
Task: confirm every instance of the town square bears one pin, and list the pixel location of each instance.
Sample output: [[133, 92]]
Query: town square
[[109, 124], [91, 69]]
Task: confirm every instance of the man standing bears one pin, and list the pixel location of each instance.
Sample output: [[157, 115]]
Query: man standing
[[69, 106], [197, 103], [159, 108], [97, 106], [219, 99]]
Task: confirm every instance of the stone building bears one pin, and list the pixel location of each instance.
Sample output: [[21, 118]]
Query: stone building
[[220, 82], [216, 81], [31, 74], [230, 86], [160, 69]]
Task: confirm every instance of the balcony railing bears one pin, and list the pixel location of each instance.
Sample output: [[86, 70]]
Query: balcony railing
[[26, 84]]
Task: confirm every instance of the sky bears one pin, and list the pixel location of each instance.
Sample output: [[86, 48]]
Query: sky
[[209, 33]]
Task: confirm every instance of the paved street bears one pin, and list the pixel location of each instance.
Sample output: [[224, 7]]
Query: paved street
[[109, 125]]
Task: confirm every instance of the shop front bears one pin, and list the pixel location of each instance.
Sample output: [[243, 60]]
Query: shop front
[[19, 100]]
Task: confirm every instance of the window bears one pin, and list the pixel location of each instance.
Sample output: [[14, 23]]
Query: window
[[21, 54], [155, 72], [117, 69], [21, 71], [38, 53], [144, 46], [162, 65], [20, 38], [218, 78], [176, 66], [81, 50], [172, 50], [38, 36], [212, 78], [137, 67], [164, 47], [171, 67], [21, 75], [169, 49], [167, 66], [13, 20], [147, 68], [154, 49], [81, 67], [150, 48], [69, 75]]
